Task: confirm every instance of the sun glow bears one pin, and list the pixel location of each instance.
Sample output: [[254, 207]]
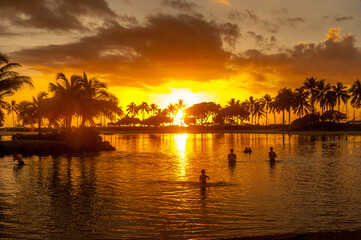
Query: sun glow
[[178, 119], [185, 94]]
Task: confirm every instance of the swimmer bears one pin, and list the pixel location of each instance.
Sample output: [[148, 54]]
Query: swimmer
[[272, 155], [232, 158], [245, 150], [203, 178], [18, 157], [249, 150]]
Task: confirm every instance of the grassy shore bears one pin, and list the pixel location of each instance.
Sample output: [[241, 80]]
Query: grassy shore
[[337, 235]]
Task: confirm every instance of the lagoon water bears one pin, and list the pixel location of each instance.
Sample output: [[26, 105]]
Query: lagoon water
[[148, 188]]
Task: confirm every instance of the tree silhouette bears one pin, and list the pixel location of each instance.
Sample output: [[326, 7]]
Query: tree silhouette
[[310, 85], [144, 108], [172, 110], [10, 81], [66, 97], [132, 109], [284, 102], [355, 92], [267, 100], [34, 111], [154, 108], [321, 93], [258, 110], [300, 103], [342, 95], [12, 108]]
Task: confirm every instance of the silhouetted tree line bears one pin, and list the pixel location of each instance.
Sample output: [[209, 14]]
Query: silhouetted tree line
[[84, 99]]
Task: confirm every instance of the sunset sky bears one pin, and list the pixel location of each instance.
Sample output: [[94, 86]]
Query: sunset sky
[[162, 50]]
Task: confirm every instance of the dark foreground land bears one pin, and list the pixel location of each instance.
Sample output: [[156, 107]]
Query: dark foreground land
[[74, 141], [50, 147], [343, 235]]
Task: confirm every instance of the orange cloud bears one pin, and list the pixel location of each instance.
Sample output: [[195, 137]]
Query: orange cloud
[[182, 47], [225, 2]]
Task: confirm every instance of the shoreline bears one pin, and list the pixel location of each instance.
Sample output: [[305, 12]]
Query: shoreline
[[194, 131], [323, 235]]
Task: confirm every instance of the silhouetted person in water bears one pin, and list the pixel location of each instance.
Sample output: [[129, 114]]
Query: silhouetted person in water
[[203, 178], [232, 158], [272, 155], [18, 157], [249, 150], [245, 150]]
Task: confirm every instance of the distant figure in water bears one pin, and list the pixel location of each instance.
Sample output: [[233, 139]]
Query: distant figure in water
[[272, 155], [18, 157], [232, 158], [203, 178], [247, 150]]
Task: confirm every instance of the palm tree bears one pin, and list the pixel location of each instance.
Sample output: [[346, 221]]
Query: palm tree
[[34, 111], [274, 109], [67, 97], [172, 109], [154, 108], [321, 92], [11, 109], [331, 100], [233, 102], [300, 103], [251, 103], [284, 102], [3, 104], [267, 100], [258, 110], [310, 85], [132, 109], [10, 81], [355, 92], [233, 106], [144, 108], [342, 95]]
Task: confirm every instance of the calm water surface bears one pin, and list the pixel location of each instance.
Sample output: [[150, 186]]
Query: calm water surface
[[148, 188]]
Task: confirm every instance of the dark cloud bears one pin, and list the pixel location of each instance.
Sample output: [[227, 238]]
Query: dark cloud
[[249, 16], [293, 21], [182, 47], [4, 31], [336, 59], [182, 5], [262, 42], [54, 14], [340, 19], [279, 11], [128, 19]]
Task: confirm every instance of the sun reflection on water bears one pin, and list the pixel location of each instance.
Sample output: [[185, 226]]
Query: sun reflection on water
[[180, 141]]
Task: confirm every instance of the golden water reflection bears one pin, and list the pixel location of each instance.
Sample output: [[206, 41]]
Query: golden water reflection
[[148, 188], [180, 142]]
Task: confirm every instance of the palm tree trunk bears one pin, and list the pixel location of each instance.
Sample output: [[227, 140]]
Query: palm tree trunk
[[274, 116], [39, 126], [289, 117], [346, 113], [283, 117], [12, 113], [266, 116]]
